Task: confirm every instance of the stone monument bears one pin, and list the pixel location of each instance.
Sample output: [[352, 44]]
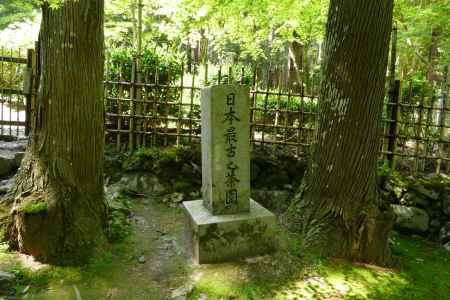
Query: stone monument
[[226, 224]]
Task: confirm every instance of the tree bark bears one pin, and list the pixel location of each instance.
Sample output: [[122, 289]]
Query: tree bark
[[58, 213], [338, 208]]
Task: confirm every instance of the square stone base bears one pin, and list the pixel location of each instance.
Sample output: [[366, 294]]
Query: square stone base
[[221, 238]]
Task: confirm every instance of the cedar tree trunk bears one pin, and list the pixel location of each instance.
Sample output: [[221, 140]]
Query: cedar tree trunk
[[338, 203], [58, 213]]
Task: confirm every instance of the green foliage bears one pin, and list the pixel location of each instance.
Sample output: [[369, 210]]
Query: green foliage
[[153, 64], [12, 11], [416, 22]]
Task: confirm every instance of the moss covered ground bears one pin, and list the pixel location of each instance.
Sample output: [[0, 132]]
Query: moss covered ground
[[150, 263]]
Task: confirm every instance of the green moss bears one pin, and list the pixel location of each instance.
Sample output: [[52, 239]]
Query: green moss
[[34, 207], [422, 272]]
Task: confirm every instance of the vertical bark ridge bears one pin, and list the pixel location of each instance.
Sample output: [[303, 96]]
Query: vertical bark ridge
[[63, 165], [339, 190]]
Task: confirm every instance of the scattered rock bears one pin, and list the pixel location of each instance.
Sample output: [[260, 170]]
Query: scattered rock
[[447, 246], [411, 218], [417, 200], [435, 223], [26, 289], [444, 233], [195, 195], [6, 281], [11, 154], [420, 189], [141, 259], [142, 183], [446, 202], [202, 297], [7, 163], [182, 292], [139, 220], [6, 185], [174, 198]]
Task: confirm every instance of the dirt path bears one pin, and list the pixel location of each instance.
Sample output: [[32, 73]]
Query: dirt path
[[150, 265]]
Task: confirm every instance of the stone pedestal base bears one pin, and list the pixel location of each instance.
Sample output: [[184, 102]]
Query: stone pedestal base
[[222, 238]]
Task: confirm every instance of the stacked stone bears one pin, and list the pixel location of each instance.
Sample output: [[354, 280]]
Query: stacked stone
[[422, 207]]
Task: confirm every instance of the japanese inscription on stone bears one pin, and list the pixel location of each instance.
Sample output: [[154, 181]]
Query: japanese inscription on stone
[[225, 149]]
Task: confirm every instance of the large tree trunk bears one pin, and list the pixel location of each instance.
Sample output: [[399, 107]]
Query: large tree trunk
[[58, 213], [339, 204]]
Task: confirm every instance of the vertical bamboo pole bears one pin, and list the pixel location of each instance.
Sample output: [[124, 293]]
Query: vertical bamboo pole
[[132, 106], [156, 95], [285, 112], [191, 104], [393, 124], [144, 110], [266, 98], [253, 107], [10, 94], [180, 106], [418, 135], [219, 76], [301, 114], [442, 119], [429, 122], [277, 109], [391, 99], [167, 107], [119, 110]]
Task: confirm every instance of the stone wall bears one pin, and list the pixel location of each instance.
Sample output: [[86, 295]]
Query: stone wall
[[421, 204]]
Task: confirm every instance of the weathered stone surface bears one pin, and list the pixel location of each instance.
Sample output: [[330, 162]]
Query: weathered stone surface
[[11, 154], [6, 282], [417, 200], [6, 185], [446, 202], [173, 198], [420, 189], [142, 183], [219, 238], [7, 163], [411, 218], [226, 149], [444, 234], [447, 246]]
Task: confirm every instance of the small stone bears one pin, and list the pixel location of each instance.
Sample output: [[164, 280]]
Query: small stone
[[444, 233], [435, 223], [288, 187], [183, 291], [6, 280], [177, 197], [411, 218], [139, 220], [202, 297], [26, 289], [447, 246], [420, 189], [141, 259]]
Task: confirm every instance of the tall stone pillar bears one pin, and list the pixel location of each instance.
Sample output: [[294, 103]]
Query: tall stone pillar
[[226, 224]]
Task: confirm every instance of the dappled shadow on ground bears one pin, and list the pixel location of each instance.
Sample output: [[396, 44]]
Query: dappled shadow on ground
[[149, 264], [152, 264], [422, 272]]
